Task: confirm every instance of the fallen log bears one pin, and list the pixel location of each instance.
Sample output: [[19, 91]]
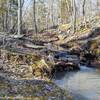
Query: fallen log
[[34, 46]]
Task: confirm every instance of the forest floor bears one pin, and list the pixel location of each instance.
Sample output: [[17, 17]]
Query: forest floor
[[29, 90], [20, 56], [17, 82]]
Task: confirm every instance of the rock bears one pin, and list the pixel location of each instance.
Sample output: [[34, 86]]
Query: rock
[[66, 66], [47, 87], [88, 58]]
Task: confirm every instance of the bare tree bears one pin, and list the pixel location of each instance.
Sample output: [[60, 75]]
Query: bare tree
[[74, 15], [34, 15], [19, 17], [98, 6], [83, 11]]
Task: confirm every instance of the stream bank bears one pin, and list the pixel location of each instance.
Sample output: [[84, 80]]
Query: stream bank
[[30, 90]]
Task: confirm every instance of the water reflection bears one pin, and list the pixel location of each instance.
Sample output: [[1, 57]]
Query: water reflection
[[83, 85]]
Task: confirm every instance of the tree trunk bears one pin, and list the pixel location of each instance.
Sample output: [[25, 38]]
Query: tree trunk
[[19, 17], [3, 22], [84, 19], [8, 15], [34, 15], [74, 15]]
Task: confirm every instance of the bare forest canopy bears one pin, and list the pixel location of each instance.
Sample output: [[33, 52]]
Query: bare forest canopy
[[23, 16]]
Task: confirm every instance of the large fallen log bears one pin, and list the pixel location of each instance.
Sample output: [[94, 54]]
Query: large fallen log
[[20, 44]]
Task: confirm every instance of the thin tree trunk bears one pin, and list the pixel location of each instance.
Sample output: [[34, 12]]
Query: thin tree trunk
[[74, 15], [8, 14], [98, 6], [47, 16], [84, 19], [34, 15], [19, 17], [52, 12], [6, 18], [84, 7], [2, 22]]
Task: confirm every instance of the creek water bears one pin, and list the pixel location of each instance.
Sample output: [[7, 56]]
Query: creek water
[[82, 85]]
